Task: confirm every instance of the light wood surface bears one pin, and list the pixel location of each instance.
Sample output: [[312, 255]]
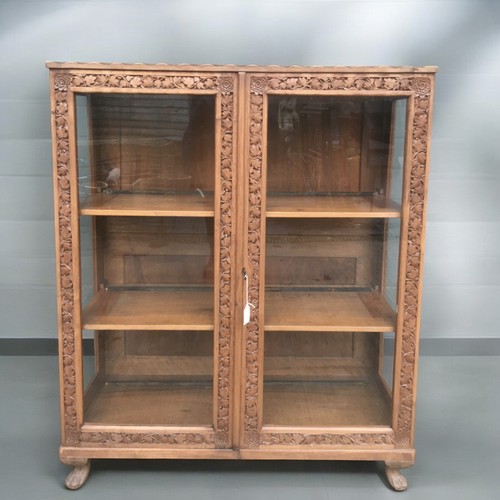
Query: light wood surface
[[150, 368], [283, 369], [272, 388], [332, 207], [149, 205], [251, 68], [263, 453], [321, 311], [151, 404], [145, 355], [150, 310], [326, 403]]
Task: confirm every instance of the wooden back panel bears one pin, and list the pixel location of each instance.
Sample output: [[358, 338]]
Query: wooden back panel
[[324, 144], [156, 250], [159, 143], [324, 252]]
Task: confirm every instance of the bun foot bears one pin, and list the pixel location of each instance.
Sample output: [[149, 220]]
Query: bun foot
[[77, 477], [395, 478]]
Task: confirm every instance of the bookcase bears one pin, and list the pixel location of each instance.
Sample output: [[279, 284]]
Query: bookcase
[[244, 247]]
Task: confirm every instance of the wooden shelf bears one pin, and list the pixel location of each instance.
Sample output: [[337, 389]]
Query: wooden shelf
[[152, 205], [359, 402], [150, 310], [149, 404], [341, 206], [328, 311]]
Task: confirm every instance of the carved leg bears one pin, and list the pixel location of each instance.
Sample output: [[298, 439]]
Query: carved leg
[[77, 477], [394, 476]]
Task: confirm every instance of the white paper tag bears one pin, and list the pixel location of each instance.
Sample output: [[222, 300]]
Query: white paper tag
[[246, 310], [246, 314]]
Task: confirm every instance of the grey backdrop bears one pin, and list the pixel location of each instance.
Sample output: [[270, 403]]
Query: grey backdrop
[[462, 274]]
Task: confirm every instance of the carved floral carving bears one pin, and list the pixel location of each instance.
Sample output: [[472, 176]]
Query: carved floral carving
[[334, 82], [422, 86], [61, 81], [258, 85], [124, 438], [254, 245], [64, 228], [151, 81], [226, 84], [355, 439], [414, 261], [222, 435]]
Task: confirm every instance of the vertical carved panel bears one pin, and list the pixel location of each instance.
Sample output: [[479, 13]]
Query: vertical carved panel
[[254, 244], [222, 436], [413, 276], [107, 81], [65, 230]]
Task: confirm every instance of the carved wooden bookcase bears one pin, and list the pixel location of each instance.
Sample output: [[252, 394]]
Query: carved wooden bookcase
[[244, 245]]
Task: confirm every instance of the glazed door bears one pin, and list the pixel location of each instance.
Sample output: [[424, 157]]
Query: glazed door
[[153, 161], [327, 169]]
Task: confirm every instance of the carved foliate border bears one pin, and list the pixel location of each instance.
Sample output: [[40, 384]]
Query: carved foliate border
[[222, 85], [414, 256], [65, 231], [353, 439], [251, 417], [420, 87], [222, 435], [179, 439]]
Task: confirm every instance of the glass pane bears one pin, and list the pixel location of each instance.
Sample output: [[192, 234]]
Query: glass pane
[[335, 169], [324, 379], [152, 378], [396, 179], [320, 145], [146, 170], [150, 310], [140, 153], [386, 370]]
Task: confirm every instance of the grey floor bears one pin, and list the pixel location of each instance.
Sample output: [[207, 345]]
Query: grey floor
[[458, 448]]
